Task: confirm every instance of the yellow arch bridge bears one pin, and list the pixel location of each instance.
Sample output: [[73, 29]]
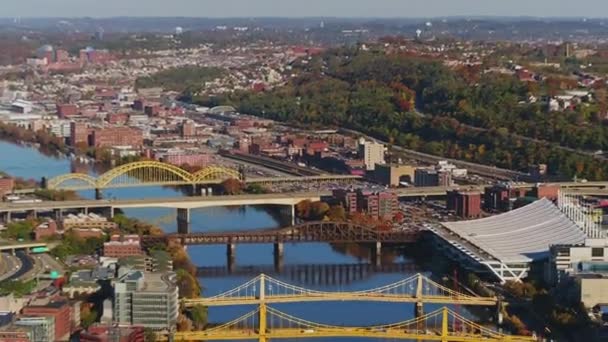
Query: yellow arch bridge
[[143, 173], [266, 323]]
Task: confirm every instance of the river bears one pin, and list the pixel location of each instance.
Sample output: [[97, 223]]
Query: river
[[306, 262]]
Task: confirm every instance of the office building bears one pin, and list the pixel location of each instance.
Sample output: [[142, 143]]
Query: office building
[[41, 329], [501, 197], [122, 246], [348, 200], [394, 175], [372, 153], [144, 299], [379, 205], [571, 259], [425, 177], [67, 110], [79, 134], [6, 185], [15, 334], [59, 309], [117, 136], [465, 204], [188, 129]]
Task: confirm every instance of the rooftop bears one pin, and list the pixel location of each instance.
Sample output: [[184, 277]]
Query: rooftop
[[521, 235]]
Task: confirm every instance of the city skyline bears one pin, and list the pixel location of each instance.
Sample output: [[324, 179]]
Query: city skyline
[[312, 8]]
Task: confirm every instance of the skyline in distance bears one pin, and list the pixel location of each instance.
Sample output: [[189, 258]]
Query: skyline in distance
[[309, 8]]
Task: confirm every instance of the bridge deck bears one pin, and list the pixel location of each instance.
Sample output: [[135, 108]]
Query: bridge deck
[[396, 298], [397, 334]]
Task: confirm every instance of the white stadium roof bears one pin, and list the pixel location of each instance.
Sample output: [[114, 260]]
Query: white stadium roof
[[522, 235]]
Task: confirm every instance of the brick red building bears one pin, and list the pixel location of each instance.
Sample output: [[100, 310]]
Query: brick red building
[[188, 129], [348, 199], [122, 246], [464, 204], [379, 205], [62, 56], [85, 233], [501, 197], [152, 109], [79, 133], [45, 230], [66, 110], [6, 185], [117, 136], [547, 191], [60, 310], [243, 145], [194, 159], [117, 118], [14, 335], [107, 333]]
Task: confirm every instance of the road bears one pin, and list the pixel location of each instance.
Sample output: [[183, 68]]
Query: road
[[27, 265], [292, 198], [9, 264]]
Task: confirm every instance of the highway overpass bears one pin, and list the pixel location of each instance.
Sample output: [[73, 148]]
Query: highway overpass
[[288, 200], [588, 188]]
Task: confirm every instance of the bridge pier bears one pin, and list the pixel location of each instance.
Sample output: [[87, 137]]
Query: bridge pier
[[499, 316], [183, 221], [98, 194], [376, 258], [7, 217], [58, 215], [230, 256], [419, 309], [32, 214], [278, 256]]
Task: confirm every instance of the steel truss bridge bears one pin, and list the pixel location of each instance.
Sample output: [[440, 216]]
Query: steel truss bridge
[[154, 173], [147, 173], [332, 232], [266, 323], [415, 289]]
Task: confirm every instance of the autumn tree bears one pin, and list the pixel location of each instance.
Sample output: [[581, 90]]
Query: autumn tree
[[303, 209], [318, 210], [336, 213], [232, 186]]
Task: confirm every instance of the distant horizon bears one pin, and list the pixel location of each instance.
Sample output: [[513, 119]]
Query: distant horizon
[[303, 9], [309, 17]]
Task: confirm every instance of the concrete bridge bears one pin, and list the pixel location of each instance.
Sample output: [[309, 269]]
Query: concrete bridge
[[183, 205]]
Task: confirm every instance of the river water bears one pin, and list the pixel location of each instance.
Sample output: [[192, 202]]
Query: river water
[[316, 265]]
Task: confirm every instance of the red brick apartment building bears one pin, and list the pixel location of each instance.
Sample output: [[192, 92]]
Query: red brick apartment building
[[117, 136], [60, 310], [120, 247]]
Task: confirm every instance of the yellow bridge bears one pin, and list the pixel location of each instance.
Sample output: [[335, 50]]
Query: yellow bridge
[[154, 173], [142, 173], [266, 323], [415, 289]]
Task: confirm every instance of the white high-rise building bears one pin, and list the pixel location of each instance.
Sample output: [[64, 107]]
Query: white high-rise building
[[372, 153], [146, 299]]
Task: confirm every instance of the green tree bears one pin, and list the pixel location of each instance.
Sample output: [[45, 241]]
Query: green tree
[[149, 335], [199, 315]]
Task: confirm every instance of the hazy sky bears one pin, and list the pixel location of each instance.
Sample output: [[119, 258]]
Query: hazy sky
[[299, 8]]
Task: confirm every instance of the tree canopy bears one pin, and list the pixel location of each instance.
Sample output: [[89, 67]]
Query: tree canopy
[[426, 106]]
